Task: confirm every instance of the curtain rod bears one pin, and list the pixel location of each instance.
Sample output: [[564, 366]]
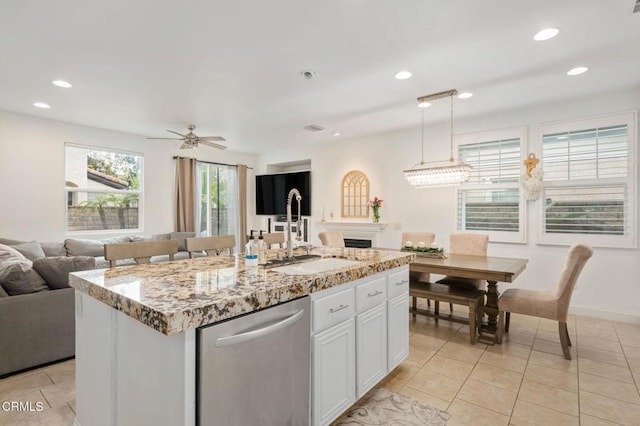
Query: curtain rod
[[212, 162]]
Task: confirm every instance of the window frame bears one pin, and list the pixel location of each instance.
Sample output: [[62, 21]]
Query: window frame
[[520, 133], [76, 190], [628, 240]]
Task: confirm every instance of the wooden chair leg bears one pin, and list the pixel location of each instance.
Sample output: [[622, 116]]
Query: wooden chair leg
[[506, 323], [564, 339], [428, 303], [567, 333], [472, 323], [479, 316], [436, 307], [450, 307], [414, 305], [501, 327]]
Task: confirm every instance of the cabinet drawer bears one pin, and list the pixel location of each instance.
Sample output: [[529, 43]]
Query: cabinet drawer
[[332, 309], [398, 283], [370, 294]]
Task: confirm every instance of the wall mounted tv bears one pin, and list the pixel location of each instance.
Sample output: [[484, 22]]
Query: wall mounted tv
[[272, 191]]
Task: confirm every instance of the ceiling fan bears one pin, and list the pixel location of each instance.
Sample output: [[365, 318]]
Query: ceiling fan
[[191, 140]]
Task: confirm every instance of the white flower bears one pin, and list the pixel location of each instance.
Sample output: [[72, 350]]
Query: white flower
[[532, 184]]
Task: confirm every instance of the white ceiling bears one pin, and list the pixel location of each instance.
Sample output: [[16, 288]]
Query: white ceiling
[[233, 67]]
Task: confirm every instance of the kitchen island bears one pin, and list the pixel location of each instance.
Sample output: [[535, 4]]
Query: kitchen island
[[136, 339]]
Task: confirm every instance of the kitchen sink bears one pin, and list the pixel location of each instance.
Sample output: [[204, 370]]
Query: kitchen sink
[[316, 266]]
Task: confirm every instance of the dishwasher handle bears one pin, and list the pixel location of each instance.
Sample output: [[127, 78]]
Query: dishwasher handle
[[255, 334]]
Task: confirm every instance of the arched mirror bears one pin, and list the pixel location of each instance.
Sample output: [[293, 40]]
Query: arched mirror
[[355, 195]]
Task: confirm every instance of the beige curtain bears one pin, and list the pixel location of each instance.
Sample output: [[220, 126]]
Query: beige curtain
[[242, 204], [185, 213]]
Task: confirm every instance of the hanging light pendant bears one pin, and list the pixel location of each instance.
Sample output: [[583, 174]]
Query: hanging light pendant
[[438, 173]]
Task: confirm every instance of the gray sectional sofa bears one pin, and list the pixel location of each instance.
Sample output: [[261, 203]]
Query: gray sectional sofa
[[37, 319]]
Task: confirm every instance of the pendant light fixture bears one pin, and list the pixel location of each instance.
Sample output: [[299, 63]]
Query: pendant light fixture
[[438, 173]]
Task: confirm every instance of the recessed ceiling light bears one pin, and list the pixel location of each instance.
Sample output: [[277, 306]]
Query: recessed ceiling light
[[465, 95], [424, 104], [41, 105], [403, 75], [577, 70], [336, 133], [61, 83], [546, 34]]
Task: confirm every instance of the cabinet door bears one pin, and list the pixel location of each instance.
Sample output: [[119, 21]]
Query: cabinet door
[[398, 330], [371, 347], [334, 372]]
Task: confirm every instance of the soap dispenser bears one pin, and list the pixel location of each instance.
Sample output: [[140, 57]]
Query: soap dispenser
[[250, 256], [261, 249]]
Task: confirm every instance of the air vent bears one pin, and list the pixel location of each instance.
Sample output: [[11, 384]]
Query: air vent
[[313, 128], [636, 8]]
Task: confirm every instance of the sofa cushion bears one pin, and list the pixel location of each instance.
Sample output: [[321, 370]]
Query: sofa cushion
[[31, 250], [17, 276], [10, 242], [8, 252], [181, 237], [53, 249], [55, 270], [95, 248]]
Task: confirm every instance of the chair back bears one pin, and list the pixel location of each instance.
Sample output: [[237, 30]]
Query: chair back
[[273, 238], [140, 251], [469, 244], [576, 259], [213, 245], [415, 237], [332, 238]]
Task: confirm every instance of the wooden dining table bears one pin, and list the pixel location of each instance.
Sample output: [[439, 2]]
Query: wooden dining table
[[489, 268]]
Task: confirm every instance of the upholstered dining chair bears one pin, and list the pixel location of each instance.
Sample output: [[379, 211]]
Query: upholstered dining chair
[[468, 244], [213, 245], [273, 238], [550, 304], [140, 251], [332, 238], [416, 237]]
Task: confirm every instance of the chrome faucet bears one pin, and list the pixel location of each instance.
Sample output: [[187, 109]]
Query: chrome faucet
[[293, 192]]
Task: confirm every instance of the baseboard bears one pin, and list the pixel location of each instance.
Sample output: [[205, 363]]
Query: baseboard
[[587, 311]]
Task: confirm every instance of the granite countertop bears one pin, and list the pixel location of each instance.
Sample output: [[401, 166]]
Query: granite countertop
[[172, 297]]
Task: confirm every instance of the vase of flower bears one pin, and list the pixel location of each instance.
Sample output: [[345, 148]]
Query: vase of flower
[[375, 204]]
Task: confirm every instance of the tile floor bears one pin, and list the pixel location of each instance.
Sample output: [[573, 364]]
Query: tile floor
[[524, 381]]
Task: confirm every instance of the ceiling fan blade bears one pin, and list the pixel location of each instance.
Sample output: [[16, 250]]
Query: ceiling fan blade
[[176, 133], [212, 138], [173, 139], [213, 145]]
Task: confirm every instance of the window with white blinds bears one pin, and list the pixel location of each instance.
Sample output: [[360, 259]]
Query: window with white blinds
[[589, 186], [490, 202]]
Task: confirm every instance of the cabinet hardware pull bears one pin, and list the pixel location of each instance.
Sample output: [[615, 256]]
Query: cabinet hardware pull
[[374, 294], [403, 282], [341, 307]]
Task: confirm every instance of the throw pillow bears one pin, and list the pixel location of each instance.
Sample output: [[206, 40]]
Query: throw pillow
[[31, 250], [181, 237], [17, 276], [55, 270], [95, 248], [8, 252]]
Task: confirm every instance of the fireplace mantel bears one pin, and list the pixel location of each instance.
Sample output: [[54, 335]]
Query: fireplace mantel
[[357, 230]]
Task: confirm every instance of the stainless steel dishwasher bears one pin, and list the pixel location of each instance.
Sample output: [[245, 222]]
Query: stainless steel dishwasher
[[254, 370]]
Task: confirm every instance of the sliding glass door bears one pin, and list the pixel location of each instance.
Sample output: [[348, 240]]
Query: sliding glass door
[[218, 189]]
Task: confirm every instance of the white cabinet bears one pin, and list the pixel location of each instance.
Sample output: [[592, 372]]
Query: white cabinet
[[360, 332], [398, 322], [333, 378], [371, 347]]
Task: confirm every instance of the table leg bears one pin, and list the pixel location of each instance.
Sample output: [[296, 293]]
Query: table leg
[[491, 308]]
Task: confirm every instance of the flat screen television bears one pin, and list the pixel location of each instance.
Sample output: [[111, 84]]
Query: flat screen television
[[272, 191]]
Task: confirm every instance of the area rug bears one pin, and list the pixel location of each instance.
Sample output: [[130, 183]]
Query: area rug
[[387, 408]]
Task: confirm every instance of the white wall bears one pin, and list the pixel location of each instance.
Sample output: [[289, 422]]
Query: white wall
[[609, 284], [32, 158]]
